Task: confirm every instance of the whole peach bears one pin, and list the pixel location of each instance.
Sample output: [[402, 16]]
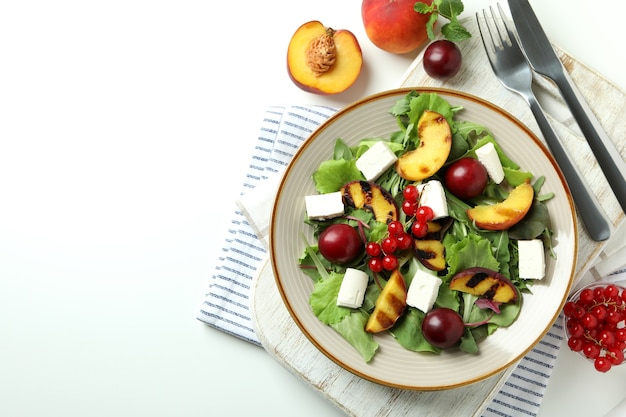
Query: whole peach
[[393, 25]]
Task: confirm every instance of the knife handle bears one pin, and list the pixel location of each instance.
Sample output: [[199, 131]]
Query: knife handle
[[590, 211], [609, 158]]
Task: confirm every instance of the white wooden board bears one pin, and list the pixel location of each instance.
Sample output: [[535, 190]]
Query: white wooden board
[[282, 338]]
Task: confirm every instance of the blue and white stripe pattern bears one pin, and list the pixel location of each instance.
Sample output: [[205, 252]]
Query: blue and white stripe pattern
[[227, 306]]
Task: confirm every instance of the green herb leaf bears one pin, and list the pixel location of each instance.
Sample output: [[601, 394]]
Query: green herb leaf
[[450, 9]]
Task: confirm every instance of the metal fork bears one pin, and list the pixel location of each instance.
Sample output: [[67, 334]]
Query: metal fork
[[513, 71]]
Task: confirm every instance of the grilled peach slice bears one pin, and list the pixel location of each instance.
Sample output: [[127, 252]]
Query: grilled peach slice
[[390, 304], [438, 228], [370, 196], [485, 283], [505, 214], [431, 253], [432, 152]]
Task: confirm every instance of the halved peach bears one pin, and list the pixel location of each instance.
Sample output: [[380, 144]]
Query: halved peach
[[505, 214], [433, 150], [370, 196], [485, 283], [321, 60], [389, 306]]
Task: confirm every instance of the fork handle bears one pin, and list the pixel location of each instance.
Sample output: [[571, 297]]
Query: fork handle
[[591, 214]]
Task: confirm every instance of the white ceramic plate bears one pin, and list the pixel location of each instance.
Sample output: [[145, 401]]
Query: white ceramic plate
[[393, 365]]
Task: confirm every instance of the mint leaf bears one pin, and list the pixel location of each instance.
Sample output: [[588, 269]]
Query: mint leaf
[[449, 9], [455, 31]]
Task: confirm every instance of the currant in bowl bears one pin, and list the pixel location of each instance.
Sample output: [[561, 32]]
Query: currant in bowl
[[594, 319]]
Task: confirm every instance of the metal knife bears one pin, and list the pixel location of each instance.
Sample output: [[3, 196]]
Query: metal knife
[[543, 59]]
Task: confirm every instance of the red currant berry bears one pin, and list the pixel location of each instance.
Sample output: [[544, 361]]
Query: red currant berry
[[613, 316], [390, 262], [373, 249], [578, 312], [405, 241], [599, 311], [607, 338], [611, 291], [575, 343], [409, 207], [623, 296], [568, 308], [602, 364], [375, 264], [410, 193], [575, 328], [598, 294], [389, 245], [591, 350], [589, 321], [586, 296], [395, 228], [419, 229], [615, 355], [620, 334], [424, 213]]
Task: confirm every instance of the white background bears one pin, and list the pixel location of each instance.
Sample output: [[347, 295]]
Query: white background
[[124, 129]]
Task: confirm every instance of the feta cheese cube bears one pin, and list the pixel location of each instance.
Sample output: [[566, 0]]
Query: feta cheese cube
[[423, 290], [324, 206], [352, 290], [532, 263], [433, 195], [488, 156], [376, 160]]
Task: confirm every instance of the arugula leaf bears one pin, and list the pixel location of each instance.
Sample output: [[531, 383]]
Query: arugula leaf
[[468, 341]]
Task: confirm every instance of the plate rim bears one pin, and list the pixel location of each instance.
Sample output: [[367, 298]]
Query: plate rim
[[422, 90]]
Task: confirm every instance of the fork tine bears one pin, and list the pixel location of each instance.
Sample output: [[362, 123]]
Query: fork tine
[[509, 32], [485, 32]]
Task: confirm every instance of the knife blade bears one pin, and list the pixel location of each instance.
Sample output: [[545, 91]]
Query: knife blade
[[544, 60]]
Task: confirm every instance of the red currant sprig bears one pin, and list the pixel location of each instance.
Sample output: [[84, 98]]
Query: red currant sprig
[[421, 214], [596, 325], [383, 255]]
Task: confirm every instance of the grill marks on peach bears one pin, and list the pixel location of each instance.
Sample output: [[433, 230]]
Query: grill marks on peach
[[370, 196], [390, 304], [485, 283]]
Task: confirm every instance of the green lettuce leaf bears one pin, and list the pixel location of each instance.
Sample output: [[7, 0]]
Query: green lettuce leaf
[[334, 173], [323, 300], [352, 328]]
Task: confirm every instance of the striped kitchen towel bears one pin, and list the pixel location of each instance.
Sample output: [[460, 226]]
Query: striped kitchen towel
[[226, 304]]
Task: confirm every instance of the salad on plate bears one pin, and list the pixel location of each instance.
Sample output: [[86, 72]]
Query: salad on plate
[[431, 234]]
